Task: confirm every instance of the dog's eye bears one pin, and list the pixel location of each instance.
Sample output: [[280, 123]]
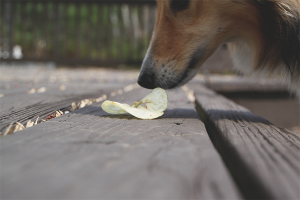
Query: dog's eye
[[179, 5]]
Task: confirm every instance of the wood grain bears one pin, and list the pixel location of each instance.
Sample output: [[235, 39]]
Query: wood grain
[[263, 159], [89, 154], [18, 105], [22, 107]]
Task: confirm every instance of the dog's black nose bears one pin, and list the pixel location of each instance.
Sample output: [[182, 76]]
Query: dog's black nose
[[146, 80]]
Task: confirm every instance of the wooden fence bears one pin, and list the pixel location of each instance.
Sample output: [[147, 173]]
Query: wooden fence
[[76, 32]]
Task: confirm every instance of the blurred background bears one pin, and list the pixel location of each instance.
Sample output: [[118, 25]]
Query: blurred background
[[109, 33], [115, 34], [103, 32]]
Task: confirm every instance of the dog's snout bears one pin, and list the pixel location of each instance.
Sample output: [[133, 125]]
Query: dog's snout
[[146, 80]]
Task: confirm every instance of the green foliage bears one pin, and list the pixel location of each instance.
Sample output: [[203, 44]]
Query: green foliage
[[76, 30]]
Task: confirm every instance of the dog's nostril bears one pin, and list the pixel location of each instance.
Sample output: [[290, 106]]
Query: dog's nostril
[[146, 80]]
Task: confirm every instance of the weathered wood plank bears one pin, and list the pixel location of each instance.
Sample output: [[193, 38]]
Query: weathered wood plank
[[22, 107], [234, 83], [263, 159], [18, 105], [89, 154]]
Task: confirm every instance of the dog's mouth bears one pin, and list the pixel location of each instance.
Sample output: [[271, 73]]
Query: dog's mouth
[[170, 74]]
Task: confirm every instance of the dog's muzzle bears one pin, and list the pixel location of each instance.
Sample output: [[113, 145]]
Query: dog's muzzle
[[163, 73], [146, 80]]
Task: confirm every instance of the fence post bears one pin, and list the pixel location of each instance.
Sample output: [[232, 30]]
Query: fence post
[[8, 16], [57, 30]]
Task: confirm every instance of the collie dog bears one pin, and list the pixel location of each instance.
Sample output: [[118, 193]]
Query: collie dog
[[263, 37]]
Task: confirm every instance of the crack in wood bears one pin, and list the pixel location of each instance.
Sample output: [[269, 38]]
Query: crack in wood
[[262, 158]]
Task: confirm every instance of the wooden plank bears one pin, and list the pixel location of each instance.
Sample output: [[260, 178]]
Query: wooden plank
[[18, 105], [33, 106], [234, 83], [89, 154], [263, 159]]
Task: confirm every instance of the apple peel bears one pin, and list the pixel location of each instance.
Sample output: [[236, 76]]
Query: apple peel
[[156, 103]]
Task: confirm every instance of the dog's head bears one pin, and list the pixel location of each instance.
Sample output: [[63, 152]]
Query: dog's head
[[186, 33]]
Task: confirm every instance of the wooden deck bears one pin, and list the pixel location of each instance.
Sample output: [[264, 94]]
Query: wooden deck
[[262, 158], [88, 154]]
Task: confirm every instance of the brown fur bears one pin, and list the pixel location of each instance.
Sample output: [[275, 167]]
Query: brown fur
[[262, 35]]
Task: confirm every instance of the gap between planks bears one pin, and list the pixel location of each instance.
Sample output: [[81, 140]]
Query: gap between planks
[[90, 154], [263, 159]]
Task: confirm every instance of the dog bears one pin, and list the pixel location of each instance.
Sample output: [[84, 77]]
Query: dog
[[263, 38]]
